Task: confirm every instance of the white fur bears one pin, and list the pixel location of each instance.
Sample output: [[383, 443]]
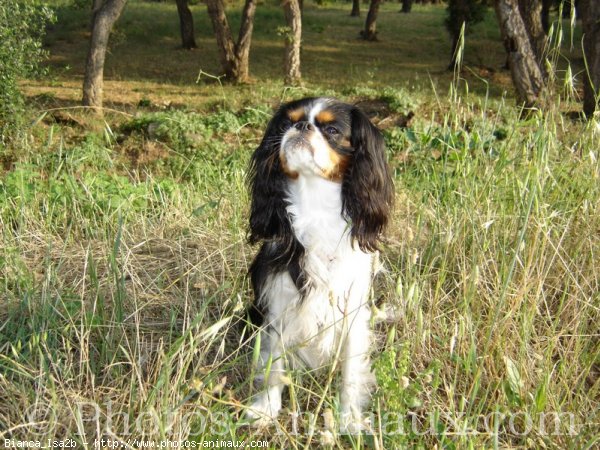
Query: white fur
[[332, 320], [316, 109], [308, 155]]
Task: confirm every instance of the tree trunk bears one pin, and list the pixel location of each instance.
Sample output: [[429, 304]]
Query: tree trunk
[[242, 47], [567, 8], [459, 14], [590, 14], [186, 25], [526, 73], [531, 13], [406, 6], [355, 8], [225, 44], [103, 20], [370, 31], [293, 18], [546, 6], [234, 56]]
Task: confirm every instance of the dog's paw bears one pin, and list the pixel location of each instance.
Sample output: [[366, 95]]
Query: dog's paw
[[263, 410], [352, 423]]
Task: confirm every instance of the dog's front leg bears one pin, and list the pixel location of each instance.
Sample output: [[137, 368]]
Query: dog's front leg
[[357, 379], [267, 403]]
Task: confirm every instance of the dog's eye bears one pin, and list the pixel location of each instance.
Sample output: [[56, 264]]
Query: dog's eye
[[332, 131], [285, 124]]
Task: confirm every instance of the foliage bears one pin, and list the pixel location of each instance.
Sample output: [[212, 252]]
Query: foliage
[[74, 186], [468, 12], [196, 141], [80, 4], [398, 100], [22, 25]]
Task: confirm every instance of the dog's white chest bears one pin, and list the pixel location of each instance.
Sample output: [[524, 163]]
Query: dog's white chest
[[339, 276], [311, 326]]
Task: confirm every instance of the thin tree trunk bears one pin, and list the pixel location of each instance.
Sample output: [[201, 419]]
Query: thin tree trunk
[[186, 25], [406, 6], [526, 73], [590, 14], [531, 13], [102, 22], [242, 47], [234, 57], [225, 44], [293, 18], [355, 8], [370, 31], [546, 5], [459, 14], [567, 8]]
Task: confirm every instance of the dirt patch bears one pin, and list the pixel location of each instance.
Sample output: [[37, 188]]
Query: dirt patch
[[143, 153], [381, 115]]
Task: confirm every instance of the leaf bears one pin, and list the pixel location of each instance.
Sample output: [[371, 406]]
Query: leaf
[[212, 331], [514, 377], [200, 210], [540, 397], [414, 402]]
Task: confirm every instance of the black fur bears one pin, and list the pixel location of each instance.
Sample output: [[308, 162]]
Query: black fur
[[367, 188], [268, 216], [275, 257], [269, 220]]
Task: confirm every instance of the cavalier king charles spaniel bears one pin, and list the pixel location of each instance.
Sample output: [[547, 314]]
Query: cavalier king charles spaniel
[[321, 196]]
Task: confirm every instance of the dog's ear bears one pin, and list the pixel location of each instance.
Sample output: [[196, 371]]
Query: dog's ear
[[367, 189], [268, 215]]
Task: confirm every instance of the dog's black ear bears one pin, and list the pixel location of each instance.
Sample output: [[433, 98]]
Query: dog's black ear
[[268, 215], [367, 189]]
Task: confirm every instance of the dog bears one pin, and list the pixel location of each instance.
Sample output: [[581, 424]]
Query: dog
[[321, 196]]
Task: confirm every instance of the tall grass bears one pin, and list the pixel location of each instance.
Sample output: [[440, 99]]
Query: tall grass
[[124, 285], [123, 266]]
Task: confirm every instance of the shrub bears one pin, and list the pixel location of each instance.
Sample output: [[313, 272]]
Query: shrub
[[468, 12], [22, 25]]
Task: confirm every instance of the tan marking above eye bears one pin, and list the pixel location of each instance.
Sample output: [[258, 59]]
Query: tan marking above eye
[[296, 115], [325, 116]]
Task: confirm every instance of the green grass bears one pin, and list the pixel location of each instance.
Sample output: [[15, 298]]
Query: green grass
[[329, 33], [333, 56], [123, 255]]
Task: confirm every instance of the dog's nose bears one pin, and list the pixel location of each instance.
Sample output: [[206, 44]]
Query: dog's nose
[[304, 126]]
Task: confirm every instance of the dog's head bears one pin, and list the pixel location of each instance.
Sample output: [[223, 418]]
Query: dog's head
[[321, 137]]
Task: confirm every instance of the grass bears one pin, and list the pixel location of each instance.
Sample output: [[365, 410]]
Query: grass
[[333, 56], [123, 254]]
